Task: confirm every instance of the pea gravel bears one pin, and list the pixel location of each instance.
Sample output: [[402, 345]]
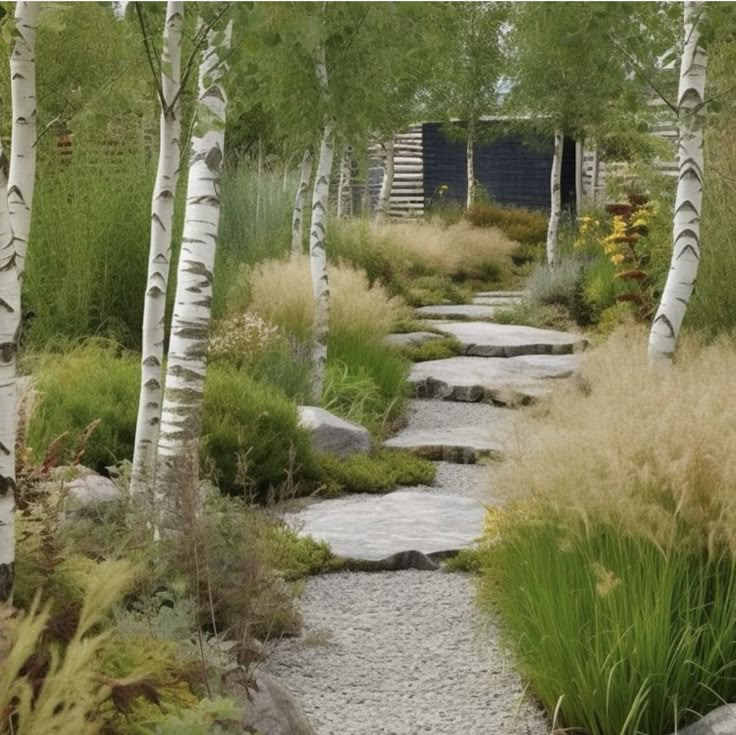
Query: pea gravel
[[401, 653]]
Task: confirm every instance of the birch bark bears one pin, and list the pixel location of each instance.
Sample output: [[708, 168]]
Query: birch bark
[[384, 197], [297, 218], [22, 174], [555, 200], [471, 167], [187, 360], [345, 186], [579, 151], [159, 258], [317, 252], [688, 202], [9, 328]]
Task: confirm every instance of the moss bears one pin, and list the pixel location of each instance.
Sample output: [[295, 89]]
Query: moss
[[433, 349], [378, 472]]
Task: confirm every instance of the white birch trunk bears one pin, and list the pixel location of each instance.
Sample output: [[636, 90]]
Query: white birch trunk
[[22, 174], [159, 258], [345, 186], [317, 252], [10, 321], [297, 218], [470, 155], [578, 177], [555, 200], [688, 202], [187, 360], [384, 197]]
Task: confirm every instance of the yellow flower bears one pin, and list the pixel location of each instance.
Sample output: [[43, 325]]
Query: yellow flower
[[617, 258]]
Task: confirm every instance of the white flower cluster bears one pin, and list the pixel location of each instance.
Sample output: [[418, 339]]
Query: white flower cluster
[[241, 337]]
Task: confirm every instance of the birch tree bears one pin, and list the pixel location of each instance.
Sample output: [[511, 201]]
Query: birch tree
[[162, 222], [463, 85], [10, 322], [688, 203], [317, 232], [187, 358], [345, 184], [297, 217], [22, 173], [555, 187], [387, 182]]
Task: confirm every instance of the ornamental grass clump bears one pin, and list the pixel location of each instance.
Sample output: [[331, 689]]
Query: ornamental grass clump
[[613, 566]]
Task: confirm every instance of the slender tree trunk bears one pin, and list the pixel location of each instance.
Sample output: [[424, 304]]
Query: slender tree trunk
[[187, 360], [470, 155], [686, 225], [345, 186], [317, 252], [297, 218], [384, 197], [10, 322], [578, 177], [22, 174], [159, 258], [555, 200], [259, 180]]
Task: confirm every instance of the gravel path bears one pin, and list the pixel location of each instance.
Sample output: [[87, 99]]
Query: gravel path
[[401, 653]]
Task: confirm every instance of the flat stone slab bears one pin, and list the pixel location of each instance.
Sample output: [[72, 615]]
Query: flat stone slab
[[485, 339], [508, 381], [503, 301], [373, 527], [330, 433], [410, 339], [461, 433], [457, 311], [501, 294]]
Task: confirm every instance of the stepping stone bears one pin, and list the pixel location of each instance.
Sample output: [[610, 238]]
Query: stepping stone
[[410, 339], [509, 381], [373, 527], [457, 311], [459, 432], [502, 294], [484, 339], [502, 301]]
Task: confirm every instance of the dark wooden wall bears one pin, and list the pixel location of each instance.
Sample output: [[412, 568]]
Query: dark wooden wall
[[512, 172]]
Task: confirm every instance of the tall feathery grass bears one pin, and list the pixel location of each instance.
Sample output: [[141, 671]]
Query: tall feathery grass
[[613, 567]]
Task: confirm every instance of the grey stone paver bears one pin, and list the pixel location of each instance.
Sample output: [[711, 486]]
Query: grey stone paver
[[457, 432], [375, 526], [505, 380], [484, 339], [457, 311]]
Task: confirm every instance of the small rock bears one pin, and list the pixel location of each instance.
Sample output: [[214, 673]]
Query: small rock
[[457, 311], [89, 489], [273, 710], [333, 434], [721, 721]]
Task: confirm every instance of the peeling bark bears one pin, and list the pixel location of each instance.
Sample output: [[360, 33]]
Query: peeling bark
[[345, 186], [178, 442], [10, 322], [22, 174], [317, 252], [470, 157], [555, 200], [159, 258], [297, 218], [689, 199], [384, 197]]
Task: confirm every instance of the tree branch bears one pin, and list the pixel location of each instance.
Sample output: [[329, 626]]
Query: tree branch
[[151, 64]]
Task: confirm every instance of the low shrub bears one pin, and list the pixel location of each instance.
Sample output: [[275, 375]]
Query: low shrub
[[557, 285], [521, 225], [249, 435], [378, 472]]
